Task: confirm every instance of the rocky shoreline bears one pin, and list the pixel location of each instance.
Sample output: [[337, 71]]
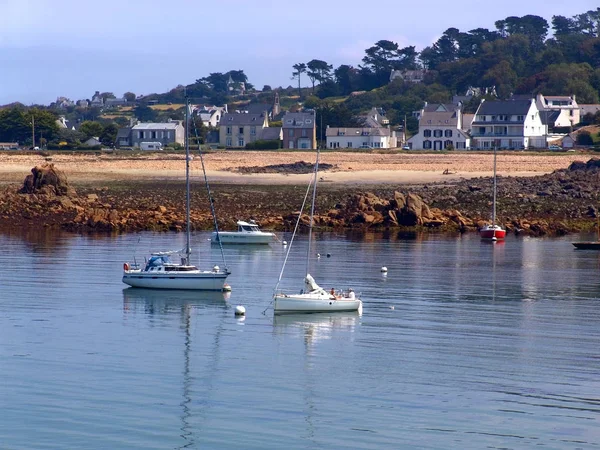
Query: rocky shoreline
[[562, 202]]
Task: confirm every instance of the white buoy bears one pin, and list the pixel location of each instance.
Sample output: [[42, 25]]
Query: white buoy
[[226, 288], [216, 268], [384, 269], [391, 307], [240, 310], [318, 255], [284, 242]]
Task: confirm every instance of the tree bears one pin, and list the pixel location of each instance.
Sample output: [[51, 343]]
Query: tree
[[346, 78], [17, 124], [386, 56], [318, 70], [91, 129], [108, 136], [584, 138], [299, 69], [144, 113], [129, 96], [267, 88]]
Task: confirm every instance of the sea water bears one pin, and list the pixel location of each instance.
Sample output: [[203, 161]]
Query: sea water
[[461, 344]]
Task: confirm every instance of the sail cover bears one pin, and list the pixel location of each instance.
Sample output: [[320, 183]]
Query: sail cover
[[311, 286]]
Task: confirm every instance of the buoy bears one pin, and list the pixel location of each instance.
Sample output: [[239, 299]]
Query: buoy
[[284, 242], [384, 269], [318, 255], [240, 310], [391, 307], [126, 267], [329, 255], [226, 288]]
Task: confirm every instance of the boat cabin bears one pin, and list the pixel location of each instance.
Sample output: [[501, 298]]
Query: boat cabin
[[162, 263], [247, 227]]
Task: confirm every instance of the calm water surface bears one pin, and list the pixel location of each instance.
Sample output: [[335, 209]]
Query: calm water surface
[[462, 344]]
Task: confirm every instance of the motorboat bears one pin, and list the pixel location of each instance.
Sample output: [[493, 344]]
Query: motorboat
[[247, 233]]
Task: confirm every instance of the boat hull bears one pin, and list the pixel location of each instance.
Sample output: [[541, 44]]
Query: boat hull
[[489, 232], [306, 303], [200, 281], [233, 237], [587, 245]]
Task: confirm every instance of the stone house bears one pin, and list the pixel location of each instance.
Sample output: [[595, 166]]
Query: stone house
[[299, 130], [364, 138], [165, 133], [238, 129]]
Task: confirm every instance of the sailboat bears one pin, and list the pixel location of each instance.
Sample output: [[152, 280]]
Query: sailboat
[[313, 298], [492, 231], [161, 272]]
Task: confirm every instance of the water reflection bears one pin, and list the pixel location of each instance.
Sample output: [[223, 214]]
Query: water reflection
[[317, 326], [155, 301]]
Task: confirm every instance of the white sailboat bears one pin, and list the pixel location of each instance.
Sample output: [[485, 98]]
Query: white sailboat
[[160, 272], [313, 298]]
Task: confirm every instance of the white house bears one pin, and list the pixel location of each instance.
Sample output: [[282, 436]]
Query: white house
[[566, 107], [210, 115], [165, 133], [364, 138], [509, 124], [440, 127]]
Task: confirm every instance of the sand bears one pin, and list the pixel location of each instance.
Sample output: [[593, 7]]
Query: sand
[[350, 167]]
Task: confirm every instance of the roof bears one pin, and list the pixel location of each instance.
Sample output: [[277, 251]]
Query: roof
[[549, 117], [440, 107], [271, 133], [467, 120], [242, 119], [157, 126], [123, 132], [299, 120], [256, 108], [439, 118], [335, 131], [508, 107]]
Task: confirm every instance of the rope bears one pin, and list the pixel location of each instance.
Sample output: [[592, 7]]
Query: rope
[[210, 198]]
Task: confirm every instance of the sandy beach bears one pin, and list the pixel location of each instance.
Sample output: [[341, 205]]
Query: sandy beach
[[348, 167]]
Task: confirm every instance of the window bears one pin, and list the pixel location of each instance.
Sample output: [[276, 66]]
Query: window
[[153, 135], [520, 118], [341, 133], [291, 144], [486, 144], [437, 133], [228, 142], [448, 143], [493, 118], [304, 133], [481, 131], [141, 134], [427, 133], [228, 130], [291, 132], [253, 131], [349, 145], [241, 130], [460, 145], [427, 144], [304, 144], [241, 142], [448, 133]]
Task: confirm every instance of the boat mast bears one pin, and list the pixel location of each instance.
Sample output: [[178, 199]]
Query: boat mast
[[312, 210], [187, 180], [494, 198]]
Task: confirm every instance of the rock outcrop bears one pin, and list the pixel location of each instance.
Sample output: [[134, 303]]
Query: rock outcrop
[[47, 179]]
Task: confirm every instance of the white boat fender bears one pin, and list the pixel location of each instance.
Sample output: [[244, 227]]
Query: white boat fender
[[240, 310], [216, 269], [384, 269]]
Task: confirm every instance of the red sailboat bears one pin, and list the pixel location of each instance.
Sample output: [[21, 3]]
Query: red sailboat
[[492, 231]]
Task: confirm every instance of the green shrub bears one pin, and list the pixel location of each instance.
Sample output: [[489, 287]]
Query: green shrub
[[263, 145]]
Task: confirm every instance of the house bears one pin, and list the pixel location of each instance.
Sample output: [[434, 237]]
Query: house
[[299, 130], [123, 137], [272, 134], [411, 76], [92, 142], [474, 92], [511, 124], [235, 87], [380, 137], [210, 115], [9, 145], [165, 133], [569, 141], [63, 102], [566, 107], [97, 100], [440, 127], [114, 102], [375, 118], [238, 129], [592, 109]]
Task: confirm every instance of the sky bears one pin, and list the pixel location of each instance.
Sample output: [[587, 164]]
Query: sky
[[73, 48]]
